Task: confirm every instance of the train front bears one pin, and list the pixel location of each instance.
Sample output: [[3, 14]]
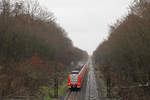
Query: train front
[[74, 80]]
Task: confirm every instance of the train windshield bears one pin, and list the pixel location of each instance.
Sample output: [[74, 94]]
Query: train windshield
[[75, 72]]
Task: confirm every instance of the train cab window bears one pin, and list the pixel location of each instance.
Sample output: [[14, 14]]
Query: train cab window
[[75, 72]]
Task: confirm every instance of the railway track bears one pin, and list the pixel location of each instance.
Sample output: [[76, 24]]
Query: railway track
[[91, 88], [72, 95]]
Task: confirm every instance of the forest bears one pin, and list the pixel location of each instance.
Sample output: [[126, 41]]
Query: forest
[[124, 57], [34, 49]]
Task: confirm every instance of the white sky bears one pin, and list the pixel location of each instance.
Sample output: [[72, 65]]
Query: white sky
[[87, 21]]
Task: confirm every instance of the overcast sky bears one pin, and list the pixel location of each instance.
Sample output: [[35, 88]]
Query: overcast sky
[[87, 21]]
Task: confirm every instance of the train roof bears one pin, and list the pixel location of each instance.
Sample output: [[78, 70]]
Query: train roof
[[77, 69]]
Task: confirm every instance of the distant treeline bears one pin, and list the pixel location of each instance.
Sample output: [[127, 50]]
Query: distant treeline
[[124, 58], [33, 47]]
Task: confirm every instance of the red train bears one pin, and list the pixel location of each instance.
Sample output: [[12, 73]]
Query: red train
[[75, 79]]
